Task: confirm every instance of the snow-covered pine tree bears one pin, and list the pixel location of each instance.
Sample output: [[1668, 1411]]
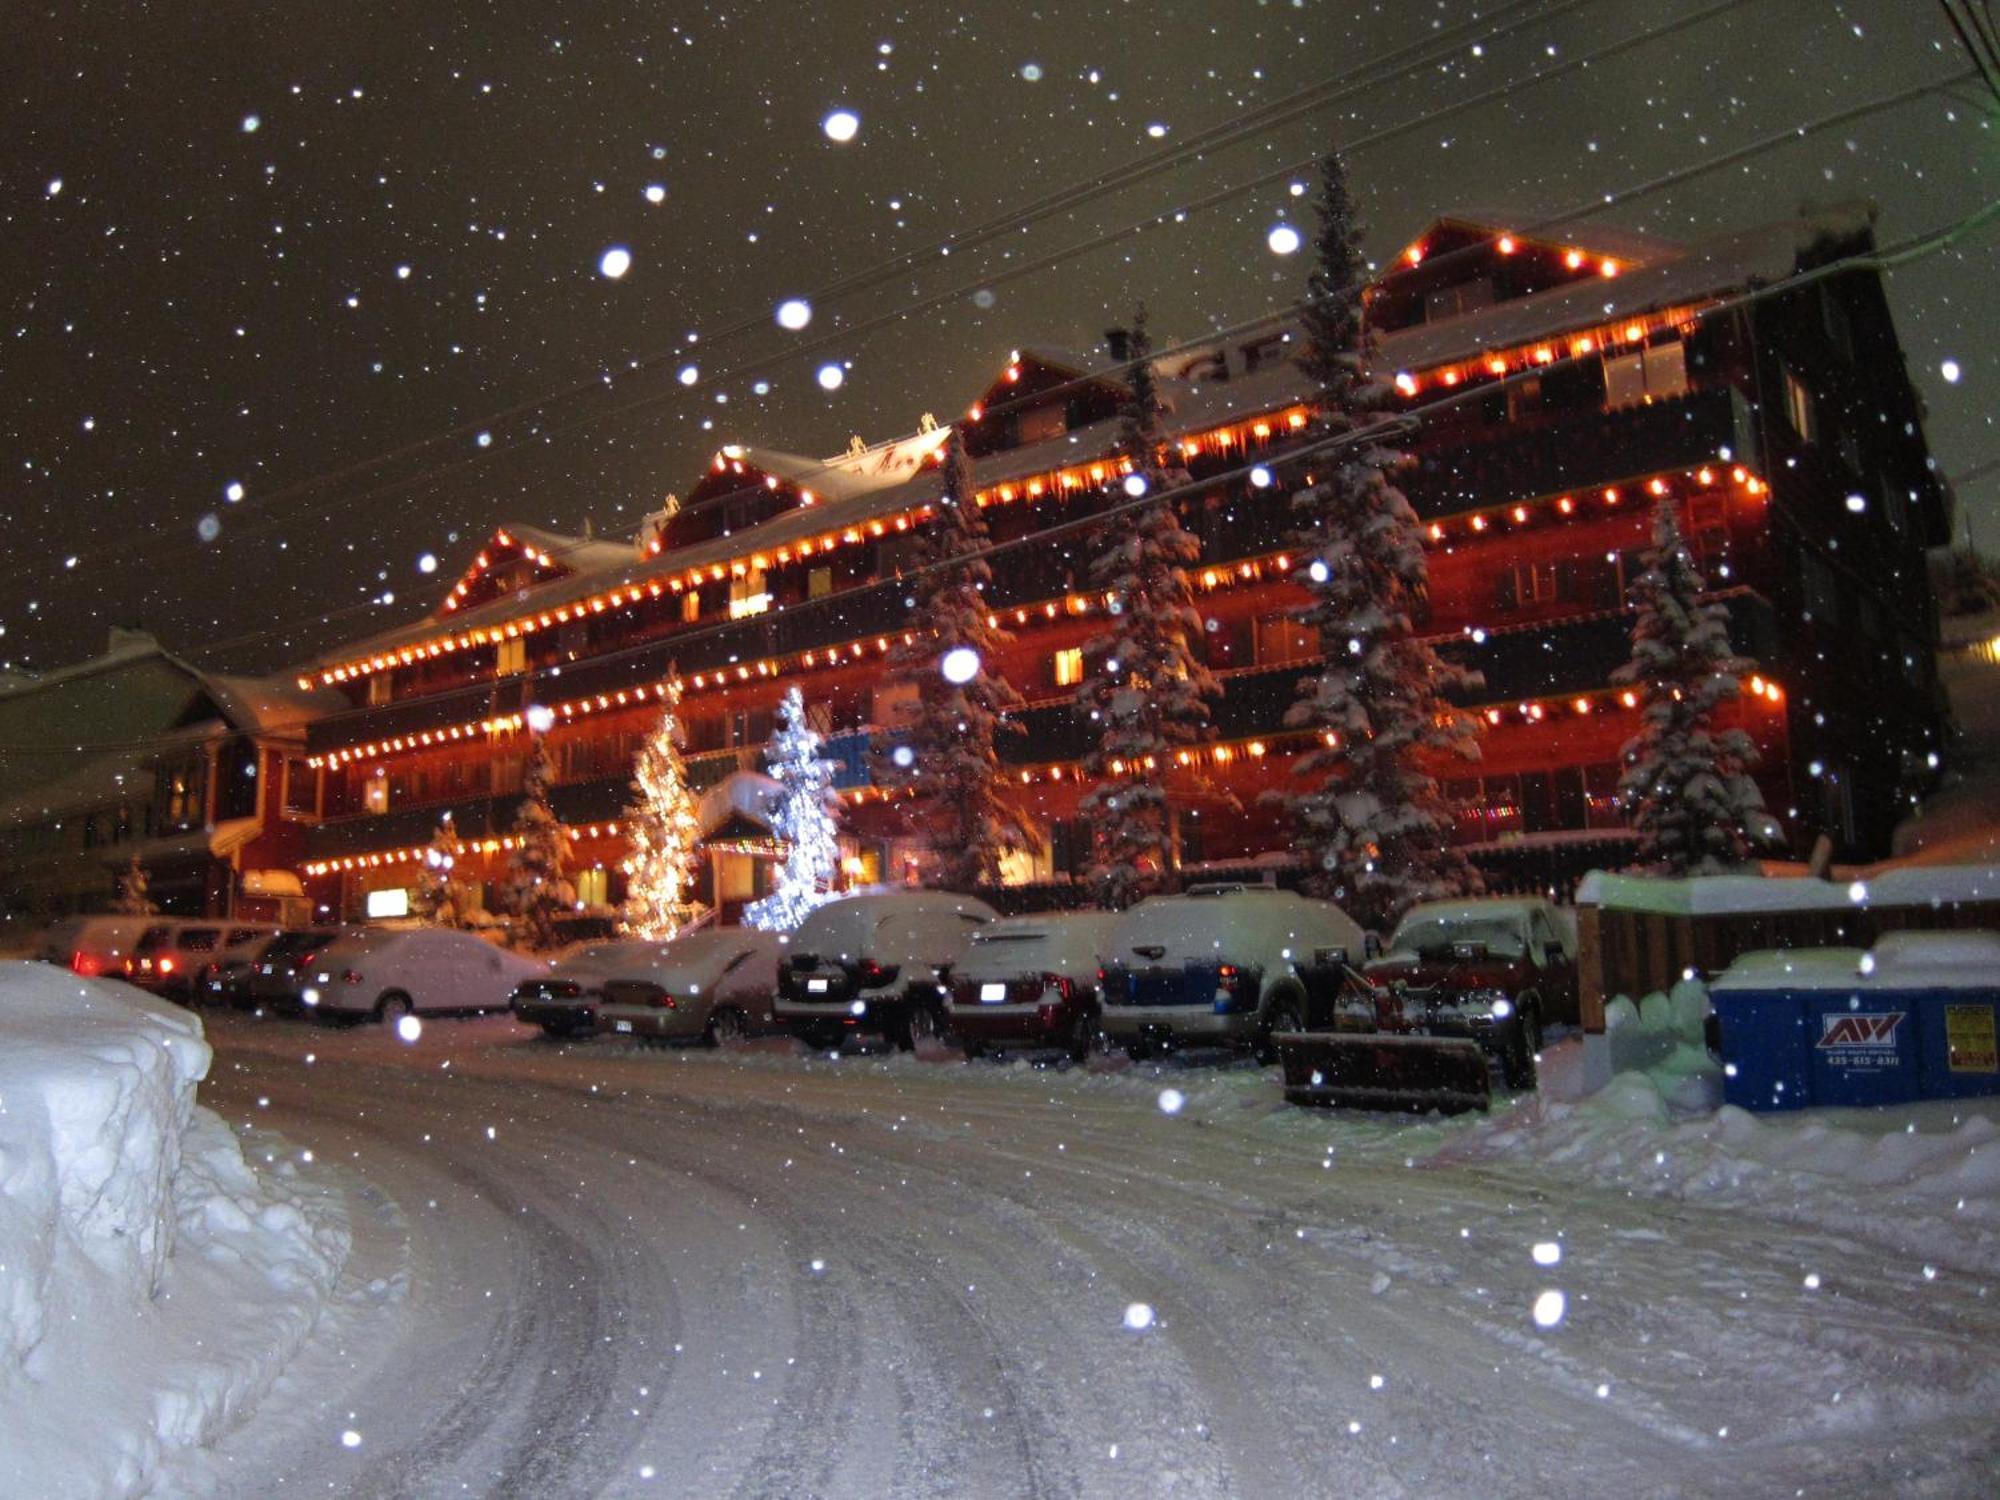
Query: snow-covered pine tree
[[1148, 693], [1370, 819], [804, 818], [437, 891], [133, 899], [537, 888], [962, 808], [661, 832], [1686, 789]]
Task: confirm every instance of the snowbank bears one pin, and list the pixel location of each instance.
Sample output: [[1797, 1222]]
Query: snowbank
[[151, 1284]]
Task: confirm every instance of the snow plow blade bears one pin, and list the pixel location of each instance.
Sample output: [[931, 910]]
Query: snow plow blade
[[1386, 1071]]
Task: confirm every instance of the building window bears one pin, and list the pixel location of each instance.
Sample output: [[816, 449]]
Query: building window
[[1638, 376], [691, 606], [1069, 667], [819, 583], [1799, 407], [1450, 301], [381, 688], [1528, 583], [593, 888], [510, 657], [375, 791], [1282, 638], [301, 786], [747, 595]]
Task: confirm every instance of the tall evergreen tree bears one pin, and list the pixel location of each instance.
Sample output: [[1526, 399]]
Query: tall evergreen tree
[[804, 817], [662, 832], [537, 888], [1686, 788], [437, 891], [961, 808], [133, 897], [1370, 819], [1149, 690]]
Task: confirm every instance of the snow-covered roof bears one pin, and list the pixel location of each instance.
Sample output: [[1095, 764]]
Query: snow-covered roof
[[1602, 239], [1706, 895]]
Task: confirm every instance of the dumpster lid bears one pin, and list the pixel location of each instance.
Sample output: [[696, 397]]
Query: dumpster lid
[[1966, 959], [1793, 969]]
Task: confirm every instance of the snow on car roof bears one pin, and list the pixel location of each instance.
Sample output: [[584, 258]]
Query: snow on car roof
[[1474, 909]]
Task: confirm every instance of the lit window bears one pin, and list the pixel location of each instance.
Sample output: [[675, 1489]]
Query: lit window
[[747, 595], [691, 605], [1657, 373], [375, 791], [593, 888], [510, 657], [1799, 406], [380, 688], [819, 583], [1069, 667]]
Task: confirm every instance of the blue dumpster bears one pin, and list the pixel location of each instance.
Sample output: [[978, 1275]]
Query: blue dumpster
[[1802, 1027], [1914, 1018]]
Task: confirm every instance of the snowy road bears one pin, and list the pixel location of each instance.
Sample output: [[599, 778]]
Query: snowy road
[[593, 1271]]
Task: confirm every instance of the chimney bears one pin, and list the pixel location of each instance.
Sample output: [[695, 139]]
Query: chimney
[[1119, 342]]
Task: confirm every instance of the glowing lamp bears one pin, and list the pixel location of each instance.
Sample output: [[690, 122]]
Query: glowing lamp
[[1574, 260], [1608, 267], [1406, 383], [1506, 245], [959, 665]]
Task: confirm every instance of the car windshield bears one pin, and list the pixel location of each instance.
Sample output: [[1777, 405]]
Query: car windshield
[[295, 944], [1503, 936]]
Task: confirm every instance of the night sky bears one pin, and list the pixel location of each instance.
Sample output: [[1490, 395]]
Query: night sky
[[337, 254]]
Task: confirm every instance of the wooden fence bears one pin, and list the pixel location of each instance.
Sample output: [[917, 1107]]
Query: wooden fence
[[1622, 952]]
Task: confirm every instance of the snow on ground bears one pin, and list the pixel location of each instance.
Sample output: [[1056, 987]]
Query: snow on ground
[[608, 1271], [151, 1283]]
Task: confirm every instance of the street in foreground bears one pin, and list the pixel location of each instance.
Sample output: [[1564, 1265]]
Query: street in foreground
[[596, 1271]]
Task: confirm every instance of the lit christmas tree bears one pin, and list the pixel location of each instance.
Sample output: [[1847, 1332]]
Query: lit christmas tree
[[1371, 821], [804, 818], [661, 831], [1149, 693], [437, 891], [1686, 789], [133, 900], [962, 807], [537, 889]]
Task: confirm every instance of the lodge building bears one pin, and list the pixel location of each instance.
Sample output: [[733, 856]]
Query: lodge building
[[1557, 389]]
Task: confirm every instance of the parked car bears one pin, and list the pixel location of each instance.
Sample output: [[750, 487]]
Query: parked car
[[173, 956], [229, 966], [94, 946], [563, 1001], [389, 974], [1218, 965], [1493, 970], [1030, 982], [875, 963], [278, 977], [714, 986]]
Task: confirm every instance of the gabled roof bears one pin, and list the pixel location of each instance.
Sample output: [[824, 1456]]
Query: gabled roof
[[553, 555], [1627, 246]]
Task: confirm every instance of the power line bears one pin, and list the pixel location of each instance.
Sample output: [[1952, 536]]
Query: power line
[[1881, 260], [855, 332], [1588, 208]]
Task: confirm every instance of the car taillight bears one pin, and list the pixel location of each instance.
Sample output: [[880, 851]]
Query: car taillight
[[166, 966], [871, 975], [350, 976], [664, 1001], [1061, 984], [87, 964]]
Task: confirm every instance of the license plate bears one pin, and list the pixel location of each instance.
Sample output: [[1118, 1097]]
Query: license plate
[[621, 1025], [815, 986], [992, 993]]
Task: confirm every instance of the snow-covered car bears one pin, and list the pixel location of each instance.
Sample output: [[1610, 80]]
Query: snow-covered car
[[94, 946], [563, 1001], [1495, 970], [875, 963], [1030, 982], [1217, 966], [714, 986], [281, 973], [389, 974]]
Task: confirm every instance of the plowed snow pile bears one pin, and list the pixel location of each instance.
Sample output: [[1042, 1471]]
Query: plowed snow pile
[[151, 1283]]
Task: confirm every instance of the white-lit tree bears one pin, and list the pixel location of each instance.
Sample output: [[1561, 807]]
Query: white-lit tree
[[1686, 788], [1148, 692], [1368, 816], [959, 802], [804, 817], [133, 897], [661, 831], [537, 889], [437, 896]]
